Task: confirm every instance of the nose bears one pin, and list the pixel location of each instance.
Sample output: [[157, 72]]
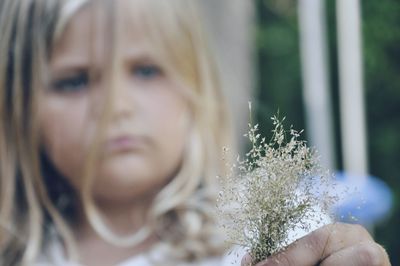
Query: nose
[[121, 101]]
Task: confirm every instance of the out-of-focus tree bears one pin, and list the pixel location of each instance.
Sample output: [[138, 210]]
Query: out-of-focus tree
[[381, 29]]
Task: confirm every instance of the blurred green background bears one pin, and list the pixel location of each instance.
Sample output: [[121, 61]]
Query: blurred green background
[[279, 87]]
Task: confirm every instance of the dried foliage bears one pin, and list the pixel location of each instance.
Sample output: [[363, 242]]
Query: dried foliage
[[278, 188]]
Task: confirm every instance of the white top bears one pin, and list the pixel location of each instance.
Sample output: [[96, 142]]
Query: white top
[[53, 256]]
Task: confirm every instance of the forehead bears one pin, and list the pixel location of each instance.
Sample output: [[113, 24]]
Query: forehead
[[95, 27]]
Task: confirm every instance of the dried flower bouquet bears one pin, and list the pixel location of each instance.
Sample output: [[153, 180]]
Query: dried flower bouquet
[[279, 188]]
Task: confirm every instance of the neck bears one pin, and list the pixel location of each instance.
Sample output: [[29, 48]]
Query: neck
[[121, 218]]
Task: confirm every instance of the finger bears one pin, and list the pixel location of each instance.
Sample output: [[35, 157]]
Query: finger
[[246, 260], [316, 246], [362, 254], [341, 235]]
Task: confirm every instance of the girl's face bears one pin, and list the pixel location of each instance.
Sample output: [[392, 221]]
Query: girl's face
[[144, 140]]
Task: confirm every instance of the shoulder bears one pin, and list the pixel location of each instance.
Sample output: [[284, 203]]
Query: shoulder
[[232, 258], [53, 256]]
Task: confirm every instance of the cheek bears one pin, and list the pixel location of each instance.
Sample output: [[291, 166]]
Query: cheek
[[172, 124], [64, 138], [170, 113]]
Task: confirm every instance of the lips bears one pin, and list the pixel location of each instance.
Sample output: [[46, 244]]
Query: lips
[[123, 144]]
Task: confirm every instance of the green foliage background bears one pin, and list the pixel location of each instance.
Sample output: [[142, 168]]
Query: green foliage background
[[280, 87]]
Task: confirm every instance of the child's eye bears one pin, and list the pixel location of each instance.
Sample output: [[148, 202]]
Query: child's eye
[[147, 71], [74, 83]]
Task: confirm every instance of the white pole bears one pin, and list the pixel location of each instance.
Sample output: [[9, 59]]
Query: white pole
[[316, 94], [351, 88], [230, 24]]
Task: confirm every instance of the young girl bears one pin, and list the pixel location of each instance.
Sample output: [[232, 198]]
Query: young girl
[[111, 132]]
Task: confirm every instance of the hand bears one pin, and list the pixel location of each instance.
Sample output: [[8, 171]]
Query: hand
[[331, 245]]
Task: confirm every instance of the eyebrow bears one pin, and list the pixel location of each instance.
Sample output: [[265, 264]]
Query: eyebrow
[[142, 52], [140, 56], [67, 63]]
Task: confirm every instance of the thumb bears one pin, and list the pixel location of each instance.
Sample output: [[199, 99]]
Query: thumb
[[246, 260]]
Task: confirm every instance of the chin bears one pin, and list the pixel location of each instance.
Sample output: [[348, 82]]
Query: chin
[[123, 191], [130, 183], [132, 176]]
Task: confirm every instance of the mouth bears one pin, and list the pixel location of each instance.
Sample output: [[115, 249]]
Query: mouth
[[124, 143]]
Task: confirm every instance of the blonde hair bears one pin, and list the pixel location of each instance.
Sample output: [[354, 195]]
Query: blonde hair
[[182, 213]]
